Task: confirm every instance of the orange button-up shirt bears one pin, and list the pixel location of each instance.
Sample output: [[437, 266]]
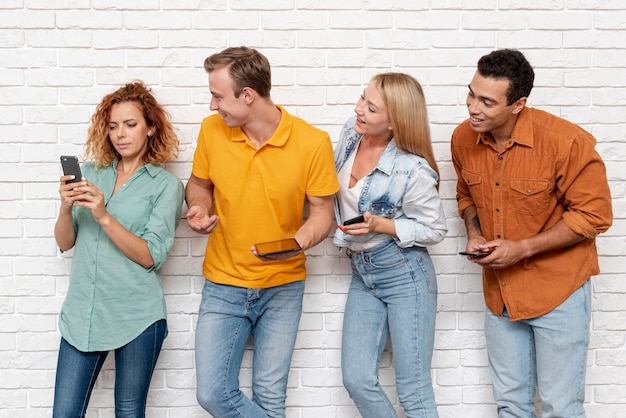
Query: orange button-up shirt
[[548, 171]]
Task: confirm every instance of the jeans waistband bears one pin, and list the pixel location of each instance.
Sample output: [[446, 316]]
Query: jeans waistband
[[372, 250]]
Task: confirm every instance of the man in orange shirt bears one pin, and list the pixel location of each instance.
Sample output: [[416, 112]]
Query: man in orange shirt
[[253, 169], [534, 195]]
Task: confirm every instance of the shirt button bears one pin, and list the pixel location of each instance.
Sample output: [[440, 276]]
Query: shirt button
[[500, 157], [497, 183], [497, 209], [503, 284], [528, 191], [498, 236]]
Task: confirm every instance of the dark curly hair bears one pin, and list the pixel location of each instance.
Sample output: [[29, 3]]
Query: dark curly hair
[[509, 64]]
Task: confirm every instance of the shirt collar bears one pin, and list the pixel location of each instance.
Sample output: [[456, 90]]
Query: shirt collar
[[151, 168], [522, 132], [387, 159], [283, 131], [280, 135]]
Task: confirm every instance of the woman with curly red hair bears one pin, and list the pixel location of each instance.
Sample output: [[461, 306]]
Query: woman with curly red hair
[[120, 219]]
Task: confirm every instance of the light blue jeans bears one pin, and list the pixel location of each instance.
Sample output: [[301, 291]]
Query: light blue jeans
[[393, 293], [549, 351], [227, 317]]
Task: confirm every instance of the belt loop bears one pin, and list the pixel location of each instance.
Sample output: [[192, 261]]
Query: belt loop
[[349, 252]]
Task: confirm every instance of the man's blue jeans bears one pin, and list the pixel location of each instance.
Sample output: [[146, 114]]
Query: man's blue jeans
[[549, 351], [226, 318], [393, 292], [134, 363]]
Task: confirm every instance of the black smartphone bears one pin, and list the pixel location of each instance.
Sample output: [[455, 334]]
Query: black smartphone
[[477, 255], [70, 165], [355, 220], [276, 247]]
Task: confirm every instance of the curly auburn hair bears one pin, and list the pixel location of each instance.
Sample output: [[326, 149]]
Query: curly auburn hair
[[163, 145]]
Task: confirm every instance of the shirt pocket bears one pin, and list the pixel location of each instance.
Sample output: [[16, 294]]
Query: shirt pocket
[[134, 214], [529, 197], [476, 187], [382, 207]]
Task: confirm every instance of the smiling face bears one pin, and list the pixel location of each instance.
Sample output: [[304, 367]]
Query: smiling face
[[128, 130], [371, 111], [488, 109], [233, 110]]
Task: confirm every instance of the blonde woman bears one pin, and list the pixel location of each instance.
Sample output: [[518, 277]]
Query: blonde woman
[[388, 175]]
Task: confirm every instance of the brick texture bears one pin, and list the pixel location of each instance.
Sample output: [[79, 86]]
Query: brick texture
[[58, 58]]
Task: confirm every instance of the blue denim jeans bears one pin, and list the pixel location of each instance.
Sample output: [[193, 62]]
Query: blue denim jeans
[[393, 293], [134, 363], [549, 351], [226, 318]]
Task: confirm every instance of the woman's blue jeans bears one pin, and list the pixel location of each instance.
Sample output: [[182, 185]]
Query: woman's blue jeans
[[227, 317], [549, 351], [393, 292], [134, 363]]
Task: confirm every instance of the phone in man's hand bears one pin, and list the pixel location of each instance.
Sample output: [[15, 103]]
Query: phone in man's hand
[[70, 166], [478, 254], [288, 245]]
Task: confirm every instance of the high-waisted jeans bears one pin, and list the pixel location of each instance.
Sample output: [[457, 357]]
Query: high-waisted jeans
[[393, 292]]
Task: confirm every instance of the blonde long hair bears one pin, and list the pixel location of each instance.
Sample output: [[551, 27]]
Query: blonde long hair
[[406, 108], [163, 145]]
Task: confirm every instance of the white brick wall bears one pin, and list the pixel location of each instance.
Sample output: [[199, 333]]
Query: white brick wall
[[58, 58]]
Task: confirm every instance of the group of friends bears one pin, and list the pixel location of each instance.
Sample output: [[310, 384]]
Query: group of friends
[[531, 188]]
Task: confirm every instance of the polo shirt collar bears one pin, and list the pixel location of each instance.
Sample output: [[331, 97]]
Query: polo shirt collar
[[283, 131], [280, 135]]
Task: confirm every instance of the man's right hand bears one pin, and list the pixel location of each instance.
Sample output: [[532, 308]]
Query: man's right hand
[[200, 221]]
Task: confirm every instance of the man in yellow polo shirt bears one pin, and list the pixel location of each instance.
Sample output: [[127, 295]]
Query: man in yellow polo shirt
[[253, 169]]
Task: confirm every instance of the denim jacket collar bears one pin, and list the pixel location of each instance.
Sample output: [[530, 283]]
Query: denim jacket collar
[[386, 161]]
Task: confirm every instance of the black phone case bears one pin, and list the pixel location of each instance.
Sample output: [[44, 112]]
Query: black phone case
[[355, 220], [276, 247], [477, 255], [70, 165]]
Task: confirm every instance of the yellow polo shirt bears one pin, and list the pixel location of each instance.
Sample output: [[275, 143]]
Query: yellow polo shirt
[[259, 195]]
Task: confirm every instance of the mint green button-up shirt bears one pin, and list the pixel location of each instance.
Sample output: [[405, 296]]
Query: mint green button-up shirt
[[111, 299]]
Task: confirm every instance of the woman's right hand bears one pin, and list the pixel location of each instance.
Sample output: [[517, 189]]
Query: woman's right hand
[[67, 191], [63, 231]]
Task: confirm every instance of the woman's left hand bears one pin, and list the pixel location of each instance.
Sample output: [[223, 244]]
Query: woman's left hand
[[361, 228], [93, 199]]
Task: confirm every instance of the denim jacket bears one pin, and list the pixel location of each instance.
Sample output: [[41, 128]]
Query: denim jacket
[[402, 187]]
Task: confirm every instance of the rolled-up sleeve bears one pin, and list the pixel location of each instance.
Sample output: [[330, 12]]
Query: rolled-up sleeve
[[425, 222], [584, 188], [161, 226], [463, 196]]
